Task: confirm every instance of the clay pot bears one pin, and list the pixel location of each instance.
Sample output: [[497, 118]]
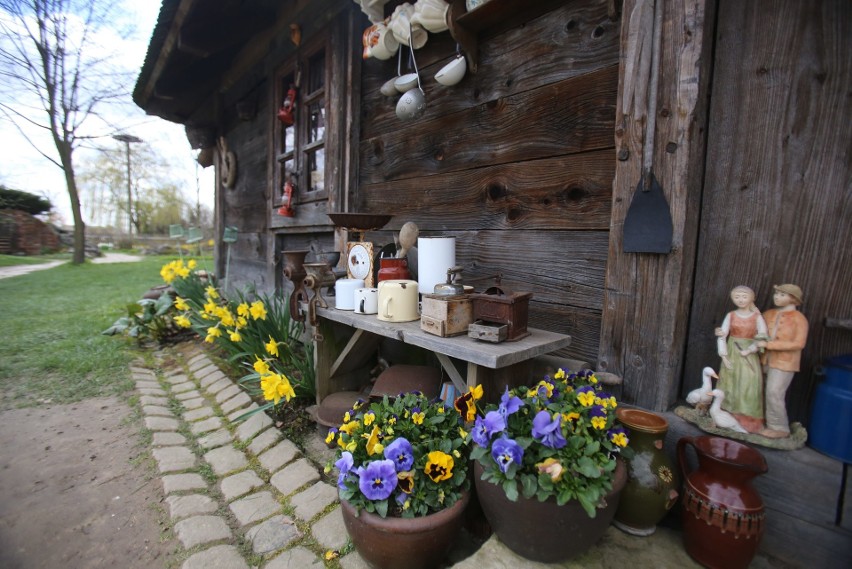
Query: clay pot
[[545, 531], [393, 269], [404, 543], [652, 480], [723, 514]]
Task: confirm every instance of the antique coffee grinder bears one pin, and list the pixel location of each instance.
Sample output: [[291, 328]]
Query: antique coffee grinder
[[499, 314], [294, 271], [319, 276]]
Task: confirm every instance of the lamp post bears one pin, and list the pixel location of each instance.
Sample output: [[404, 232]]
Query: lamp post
[[127, 139]]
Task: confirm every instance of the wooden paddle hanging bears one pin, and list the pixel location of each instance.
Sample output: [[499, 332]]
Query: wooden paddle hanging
[[648, 224]]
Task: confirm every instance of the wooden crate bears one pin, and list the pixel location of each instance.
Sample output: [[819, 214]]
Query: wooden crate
[[446, 315]]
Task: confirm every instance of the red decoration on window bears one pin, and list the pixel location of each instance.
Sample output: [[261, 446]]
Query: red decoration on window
[[288, 107], [287, 209]]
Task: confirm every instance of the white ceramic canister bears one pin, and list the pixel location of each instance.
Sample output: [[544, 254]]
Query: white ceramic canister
[[398, 300], [434, 256], [344, 293], [366, 300]]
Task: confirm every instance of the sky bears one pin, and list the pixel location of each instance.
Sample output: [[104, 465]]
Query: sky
[[23, 168]]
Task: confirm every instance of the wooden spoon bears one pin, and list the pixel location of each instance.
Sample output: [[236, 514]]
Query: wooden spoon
[[407, 238]]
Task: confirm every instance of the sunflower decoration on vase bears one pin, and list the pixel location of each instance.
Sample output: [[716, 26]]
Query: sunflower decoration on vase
[[547, 467], [402, 476]]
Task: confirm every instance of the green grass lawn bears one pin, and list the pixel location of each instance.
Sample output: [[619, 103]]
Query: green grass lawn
[[52, 322]]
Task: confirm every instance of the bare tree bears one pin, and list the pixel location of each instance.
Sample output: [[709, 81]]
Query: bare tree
[[50, 56]]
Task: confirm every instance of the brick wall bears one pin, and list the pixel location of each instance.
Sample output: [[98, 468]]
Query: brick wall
[[20, 232]]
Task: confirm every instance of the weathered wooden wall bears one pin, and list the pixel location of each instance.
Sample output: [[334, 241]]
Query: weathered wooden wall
[[515, 161], [777, 204]]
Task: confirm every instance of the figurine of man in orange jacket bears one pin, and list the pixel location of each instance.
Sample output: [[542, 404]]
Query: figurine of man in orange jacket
[[788, 331]]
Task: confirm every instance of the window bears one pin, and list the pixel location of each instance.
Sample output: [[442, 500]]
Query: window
[[300, 147]]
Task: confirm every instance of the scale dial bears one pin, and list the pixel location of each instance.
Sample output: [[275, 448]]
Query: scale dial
[[359, 261]]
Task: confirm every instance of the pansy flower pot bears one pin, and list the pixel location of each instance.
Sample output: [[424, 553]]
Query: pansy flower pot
[[404, 543], [545, 531]]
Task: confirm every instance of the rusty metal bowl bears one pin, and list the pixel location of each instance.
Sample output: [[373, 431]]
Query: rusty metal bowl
[[360, 221]]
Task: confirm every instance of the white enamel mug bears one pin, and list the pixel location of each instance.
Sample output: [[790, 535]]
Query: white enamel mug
[[366, 301], [344, 293]]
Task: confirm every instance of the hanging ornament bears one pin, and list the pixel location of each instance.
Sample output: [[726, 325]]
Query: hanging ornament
[[286, 208], [288, 107]]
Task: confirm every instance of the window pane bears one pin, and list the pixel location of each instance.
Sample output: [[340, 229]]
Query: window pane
[[316, 167], [316, 72], [289, 139], [317, 125]]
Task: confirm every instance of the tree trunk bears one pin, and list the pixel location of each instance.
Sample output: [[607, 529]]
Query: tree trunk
[[66, 155]]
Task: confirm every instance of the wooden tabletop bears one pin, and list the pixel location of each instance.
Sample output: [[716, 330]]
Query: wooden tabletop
[[462, 347]]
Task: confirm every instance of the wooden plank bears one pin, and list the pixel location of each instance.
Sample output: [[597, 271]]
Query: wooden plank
[[488, 355], [581, 121], [567, 192], [647, 296], [573, 40], [779, 207]]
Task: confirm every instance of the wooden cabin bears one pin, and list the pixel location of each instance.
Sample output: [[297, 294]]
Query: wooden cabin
[[532, 161]]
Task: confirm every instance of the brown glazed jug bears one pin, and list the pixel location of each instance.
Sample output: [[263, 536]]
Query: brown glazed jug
[[723, 514]]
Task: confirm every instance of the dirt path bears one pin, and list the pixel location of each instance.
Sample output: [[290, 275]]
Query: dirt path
[[75, 491]]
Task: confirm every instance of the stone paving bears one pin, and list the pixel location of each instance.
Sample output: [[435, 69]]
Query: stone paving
[[239, 495]]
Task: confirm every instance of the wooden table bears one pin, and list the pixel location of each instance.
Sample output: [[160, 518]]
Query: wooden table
[[334, 366]]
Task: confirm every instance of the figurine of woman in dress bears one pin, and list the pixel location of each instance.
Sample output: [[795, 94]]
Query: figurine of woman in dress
[[740, 375]]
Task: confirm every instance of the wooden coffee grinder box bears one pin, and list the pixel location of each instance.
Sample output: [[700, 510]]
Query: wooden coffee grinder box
[[500, 308], [446, 315]]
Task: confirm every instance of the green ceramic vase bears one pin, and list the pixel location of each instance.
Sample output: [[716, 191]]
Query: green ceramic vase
[[652, 480]]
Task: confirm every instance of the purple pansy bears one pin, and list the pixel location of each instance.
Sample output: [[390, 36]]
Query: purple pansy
[[487, 427], [509, 403], [401, 453], [378, 479], [344, 465], [505, 452], [546, 429]]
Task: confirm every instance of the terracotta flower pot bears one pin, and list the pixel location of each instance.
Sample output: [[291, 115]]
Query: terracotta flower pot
[[404, 543], [545, 531]]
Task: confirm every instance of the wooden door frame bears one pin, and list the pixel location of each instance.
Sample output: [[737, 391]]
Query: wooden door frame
[[647, 296]]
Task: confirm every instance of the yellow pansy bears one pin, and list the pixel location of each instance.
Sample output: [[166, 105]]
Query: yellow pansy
[[439, 466]]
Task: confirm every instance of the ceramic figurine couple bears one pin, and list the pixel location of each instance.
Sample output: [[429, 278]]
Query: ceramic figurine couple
[[751, 343]]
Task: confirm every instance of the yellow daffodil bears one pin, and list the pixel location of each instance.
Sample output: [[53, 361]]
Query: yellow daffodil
[[272, 347], [182, 321], [212, 334], [243, 309], [235, 336], [181, 304], [258, 310], [211, 292], [192, 264], [260, 366]]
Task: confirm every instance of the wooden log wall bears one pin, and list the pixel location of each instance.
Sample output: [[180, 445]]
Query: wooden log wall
[[515, 161]]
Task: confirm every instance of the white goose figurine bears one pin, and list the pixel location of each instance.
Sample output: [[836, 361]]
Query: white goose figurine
[[699, 398], [720, 417]]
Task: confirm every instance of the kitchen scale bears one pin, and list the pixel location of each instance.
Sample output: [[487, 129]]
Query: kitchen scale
[[360, 258]]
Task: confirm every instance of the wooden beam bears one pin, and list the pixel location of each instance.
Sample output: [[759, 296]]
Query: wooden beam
[[647, 296]]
